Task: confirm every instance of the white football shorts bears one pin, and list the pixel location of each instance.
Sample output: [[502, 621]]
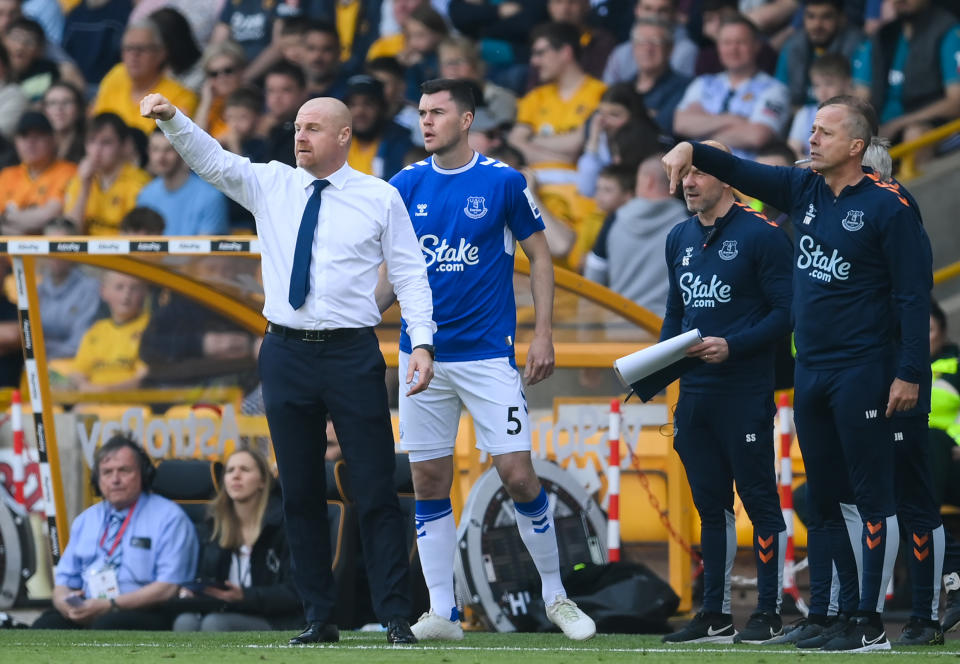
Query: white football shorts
[[493, 394]]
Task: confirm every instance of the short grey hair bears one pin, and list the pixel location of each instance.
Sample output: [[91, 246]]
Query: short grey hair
[[151, 27], [861, 121]]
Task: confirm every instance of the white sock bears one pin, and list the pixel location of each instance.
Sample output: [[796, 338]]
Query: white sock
[[535, 523], [437, 546]]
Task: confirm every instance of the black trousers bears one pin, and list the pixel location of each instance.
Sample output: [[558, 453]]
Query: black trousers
[[303, 383], [145, 619]]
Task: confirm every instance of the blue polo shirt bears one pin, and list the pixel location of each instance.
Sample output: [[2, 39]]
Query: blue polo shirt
[[159, 544]]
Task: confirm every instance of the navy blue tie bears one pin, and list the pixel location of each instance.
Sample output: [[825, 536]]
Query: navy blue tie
[[300, 275]]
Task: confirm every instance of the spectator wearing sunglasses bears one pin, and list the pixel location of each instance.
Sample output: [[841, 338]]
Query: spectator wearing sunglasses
[[223, 65]]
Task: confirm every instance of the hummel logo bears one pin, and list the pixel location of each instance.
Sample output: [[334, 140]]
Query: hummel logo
[[421, 210], [871, 642], [716, 632], [898, 437], [871, 414]]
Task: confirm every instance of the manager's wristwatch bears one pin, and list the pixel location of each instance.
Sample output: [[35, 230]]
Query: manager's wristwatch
[[429, 348]]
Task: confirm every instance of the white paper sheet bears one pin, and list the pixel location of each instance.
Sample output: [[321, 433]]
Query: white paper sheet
[[641, 364]]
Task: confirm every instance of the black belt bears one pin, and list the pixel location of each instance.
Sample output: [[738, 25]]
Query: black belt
[[314, 335]]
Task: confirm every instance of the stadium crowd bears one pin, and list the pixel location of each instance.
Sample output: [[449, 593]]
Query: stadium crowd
[[581, 96]]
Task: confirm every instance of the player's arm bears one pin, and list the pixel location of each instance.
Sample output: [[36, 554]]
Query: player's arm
[[540, 357], [230, 173], [775, 276], [906, 250]]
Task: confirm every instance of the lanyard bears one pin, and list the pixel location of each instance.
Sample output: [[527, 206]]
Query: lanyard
[[119, 537]]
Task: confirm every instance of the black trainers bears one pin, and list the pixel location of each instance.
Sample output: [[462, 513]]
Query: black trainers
[[761, 627], [705, 628], [805, 628], [951, 612], [835, 626], [863, 634], [920, 632]]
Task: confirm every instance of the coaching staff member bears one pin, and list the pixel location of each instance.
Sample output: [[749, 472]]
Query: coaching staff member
[[127, 554], [729, 274], [320, 355], [861, 310]]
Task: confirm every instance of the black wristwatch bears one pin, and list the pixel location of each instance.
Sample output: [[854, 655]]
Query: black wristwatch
[[429, 348]]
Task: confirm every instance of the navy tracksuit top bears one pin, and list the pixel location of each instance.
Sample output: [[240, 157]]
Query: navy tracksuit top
[[730, 280], [862, 264]]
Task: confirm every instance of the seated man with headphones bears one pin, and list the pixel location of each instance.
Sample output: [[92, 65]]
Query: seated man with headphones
[[127, 554]]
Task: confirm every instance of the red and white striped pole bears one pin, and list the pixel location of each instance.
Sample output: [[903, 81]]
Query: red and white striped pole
[[613, 485], [16, 422], [786, 494]]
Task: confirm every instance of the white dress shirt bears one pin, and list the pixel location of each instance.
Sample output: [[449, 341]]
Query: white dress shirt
[[363, 222]]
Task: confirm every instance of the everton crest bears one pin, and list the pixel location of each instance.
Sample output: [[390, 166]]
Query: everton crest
[[853, 221], [476, 207], [728, 251]]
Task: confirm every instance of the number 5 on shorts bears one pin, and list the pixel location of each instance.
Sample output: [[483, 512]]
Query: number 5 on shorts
[[512, 419]]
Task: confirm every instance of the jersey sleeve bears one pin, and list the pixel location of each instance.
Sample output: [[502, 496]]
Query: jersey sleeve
[[673, 316], [523, 215], [779, 186], [906, 250]]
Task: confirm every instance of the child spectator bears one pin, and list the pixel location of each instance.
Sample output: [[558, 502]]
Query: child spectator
[[830, 75], [25, 43], [109, 353], [615, 186], [142, 221], [106, 185], [241, 113]]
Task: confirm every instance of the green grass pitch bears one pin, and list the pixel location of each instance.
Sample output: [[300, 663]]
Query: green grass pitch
[[48, 647]]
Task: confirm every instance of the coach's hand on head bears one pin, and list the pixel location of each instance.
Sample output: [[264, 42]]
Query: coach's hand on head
[[422, 364], [157, 107], [677, 163], [903, 396]]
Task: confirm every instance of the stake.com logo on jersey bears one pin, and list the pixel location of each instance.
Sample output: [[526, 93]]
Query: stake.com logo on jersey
[[448, 258]]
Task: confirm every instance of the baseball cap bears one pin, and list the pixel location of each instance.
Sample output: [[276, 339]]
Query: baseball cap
[[363, 84], [33, 121]]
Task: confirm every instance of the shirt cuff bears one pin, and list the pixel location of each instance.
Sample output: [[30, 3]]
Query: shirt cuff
[[178, 123], [422, 334]]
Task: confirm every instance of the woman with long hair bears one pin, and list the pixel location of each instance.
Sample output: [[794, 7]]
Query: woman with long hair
[[244, 562], [620, 106], [64, 106]]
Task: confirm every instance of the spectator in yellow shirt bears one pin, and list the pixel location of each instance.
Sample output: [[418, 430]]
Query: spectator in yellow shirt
[[106, 186], [141, 72], [550, 133], [109, 353], [32, 193]]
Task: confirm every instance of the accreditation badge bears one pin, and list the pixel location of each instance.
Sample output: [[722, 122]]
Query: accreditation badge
[[102, 582]]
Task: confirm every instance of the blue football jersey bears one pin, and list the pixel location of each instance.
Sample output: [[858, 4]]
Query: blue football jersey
[[468, 221]]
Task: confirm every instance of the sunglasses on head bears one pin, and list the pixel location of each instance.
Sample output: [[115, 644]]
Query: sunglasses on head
[[226, 71]]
